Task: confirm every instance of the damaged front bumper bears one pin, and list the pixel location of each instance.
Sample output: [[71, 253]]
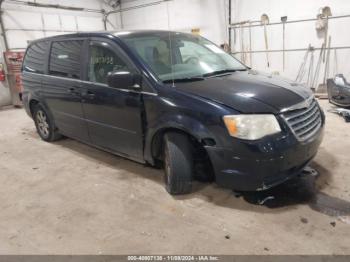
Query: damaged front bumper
[[259, 165], [339, 91]]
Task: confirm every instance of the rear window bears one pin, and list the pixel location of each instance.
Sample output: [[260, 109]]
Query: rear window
[[35, 57], [65, 58]]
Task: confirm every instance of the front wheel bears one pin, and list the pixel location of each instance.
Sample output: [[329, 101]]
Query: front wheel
[[178, 163], [44, 125]]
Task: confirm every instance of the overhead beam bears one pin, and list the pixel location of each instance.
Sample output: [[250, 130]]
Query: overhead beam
[[54, 6], [128, 9]]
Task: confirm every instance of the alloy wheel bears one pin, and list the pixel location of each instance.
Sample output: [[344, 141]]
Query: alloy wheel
[[42, 123]]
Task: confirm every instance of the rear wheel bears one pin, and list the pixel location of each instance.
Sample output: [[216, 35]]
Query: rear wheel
[[178, 163], [44, 124]]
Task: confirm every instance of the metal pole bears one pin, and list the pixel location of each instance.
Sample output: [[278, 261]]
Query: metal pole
[[2, 29], [104, 19], [292, 50], [250, 46], [284, 46], [229, 22]]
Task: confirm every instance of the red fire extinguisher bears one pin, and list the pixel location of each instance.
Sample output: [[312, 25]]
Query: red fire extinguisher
[[2, 73]]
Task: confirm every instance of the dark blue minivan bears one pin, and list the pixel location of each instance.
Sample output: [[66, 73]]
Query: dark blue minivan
[[175, 100]]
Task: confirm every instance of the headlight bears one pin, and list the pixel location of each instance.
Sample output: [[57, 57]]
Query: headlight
[[251, 127]]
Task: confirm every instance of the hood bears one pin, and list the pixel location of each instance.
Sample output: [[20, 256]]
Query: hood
[[249, 91]]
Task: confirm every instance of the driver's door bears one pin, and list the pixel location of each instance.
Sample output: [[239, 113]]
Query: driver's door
[[113, 114]]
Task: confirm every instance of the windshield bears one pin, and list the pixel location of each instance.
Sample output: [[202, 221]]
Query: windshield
[[184, 57]]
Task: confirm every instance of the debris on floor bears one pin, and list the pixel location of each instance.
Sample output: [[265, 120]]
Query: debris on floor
[[345, 219], [345, 113], [263, 201], [304, 220], [339, 91], [309, 171], [299, 189]]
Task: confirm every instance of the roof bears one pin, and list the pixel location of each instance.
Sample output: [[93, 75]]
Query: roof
[[118, 34]]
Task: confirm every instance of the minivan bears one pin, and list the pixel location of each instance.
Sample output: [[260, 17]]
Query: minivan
[[172, 100]]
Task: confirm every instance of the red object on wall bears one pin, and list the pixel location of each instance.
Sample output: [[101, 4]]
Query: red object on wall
[[14, 61], [2, 75]]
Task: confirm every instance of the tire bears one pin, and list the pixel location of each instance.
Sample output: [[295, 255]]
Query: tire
[[178, 163], [45, 125]]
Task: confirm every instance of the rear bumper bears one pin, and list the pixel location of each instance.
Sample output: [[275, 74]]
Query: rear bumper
[[25, 101], [251, 166]]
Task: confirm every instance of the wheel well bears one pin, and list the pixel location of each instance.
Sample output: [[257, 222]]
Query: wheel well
[[158, 139], [200, 155], [32, 103]]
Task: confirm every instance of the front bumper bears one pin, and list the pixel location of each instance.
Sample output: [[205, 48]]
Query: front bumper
[[259, 165]]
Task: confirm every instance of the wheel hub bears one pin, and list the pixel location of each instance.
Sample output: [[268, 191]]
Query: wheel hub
[[43, 126]]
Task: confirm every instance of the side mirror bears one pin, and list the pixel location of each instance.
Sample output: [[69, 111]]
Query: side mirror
[[124, 79]]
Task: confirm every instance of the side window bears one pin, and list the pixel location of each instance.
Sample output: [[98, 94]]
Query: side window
[[35, 56], [65, 58], [102, 61]]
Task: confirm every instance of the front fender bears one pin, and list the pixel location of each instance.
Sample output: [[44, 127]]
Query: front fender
[[179, 122]]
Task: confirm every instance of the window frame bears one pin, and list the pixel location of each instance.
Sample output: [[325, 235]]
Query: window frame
[[82, 56], [113, 47], [44, 59]]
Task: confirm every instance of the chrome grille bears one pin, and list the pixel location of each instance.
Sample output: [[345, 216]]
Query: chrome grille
[[304, 122]]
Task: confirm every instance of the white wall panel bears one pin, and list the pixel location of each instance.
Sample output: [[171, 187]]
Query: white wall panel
[[19, 39], [208, 15], [90, 23], [21, 20], [68, 22], [298, 35], [51, 21]]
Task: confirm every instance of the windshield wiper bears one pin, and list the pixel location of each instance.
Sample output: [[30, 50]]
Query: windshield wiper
[[224, 71], [183, 80]]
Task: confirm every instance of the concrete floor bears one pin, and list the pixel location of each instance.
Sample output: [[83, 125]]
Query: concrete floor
[[69, 198]]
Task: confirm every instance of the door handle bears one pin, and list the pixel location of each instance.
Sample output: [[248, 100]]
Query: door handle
[[72, 90], [89, 94]]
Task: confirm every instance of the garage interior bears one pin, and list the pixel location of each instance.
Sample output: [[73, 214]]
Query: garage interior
[[70, 198]]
